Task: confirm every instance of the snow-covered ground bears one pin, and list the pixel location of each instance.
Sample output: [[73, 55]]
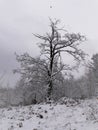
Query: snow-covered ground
[[68, 116]]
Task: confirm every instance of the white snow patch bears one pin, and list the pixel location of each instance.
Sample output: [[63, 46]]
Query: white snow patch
[[82, 116]]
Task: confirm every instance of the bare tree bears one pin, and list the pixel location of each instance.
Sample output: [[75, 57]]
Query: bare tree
[[53, 44], [49, 65]]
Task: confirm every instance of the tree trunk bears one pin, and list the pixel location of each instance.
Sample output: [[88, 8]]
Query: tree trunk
[[50, 88]]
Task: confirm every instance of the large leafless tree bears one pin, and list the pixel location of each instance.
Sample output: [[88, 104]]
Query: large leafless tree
[[56, 42], [52, 45]]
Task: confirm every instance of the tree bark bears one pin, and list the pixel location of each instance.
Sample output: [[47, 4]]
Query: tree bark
[[50, 86]]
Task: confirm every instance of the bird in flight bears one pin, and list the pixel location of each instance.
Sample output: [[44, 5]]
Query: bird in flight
[[50, 6]]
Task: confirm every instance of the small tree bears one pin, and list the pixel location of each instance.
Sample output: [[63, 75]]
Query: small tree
[[92, 75], [52, 46]]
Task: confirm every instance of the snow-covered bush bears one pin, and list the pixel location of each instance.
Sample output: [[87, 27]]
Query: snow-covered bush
[[68, 101]]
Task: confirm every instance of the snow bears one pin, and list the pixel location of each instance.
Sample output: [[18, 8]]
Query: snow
[[56, 116]]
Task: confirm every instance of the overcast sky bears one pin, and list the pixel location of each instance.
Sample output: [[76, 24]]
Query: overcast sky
[[20, 18]]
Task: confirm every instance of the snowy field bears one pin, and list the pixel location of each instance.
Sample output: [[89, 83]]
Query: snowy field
[[82, 115]]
